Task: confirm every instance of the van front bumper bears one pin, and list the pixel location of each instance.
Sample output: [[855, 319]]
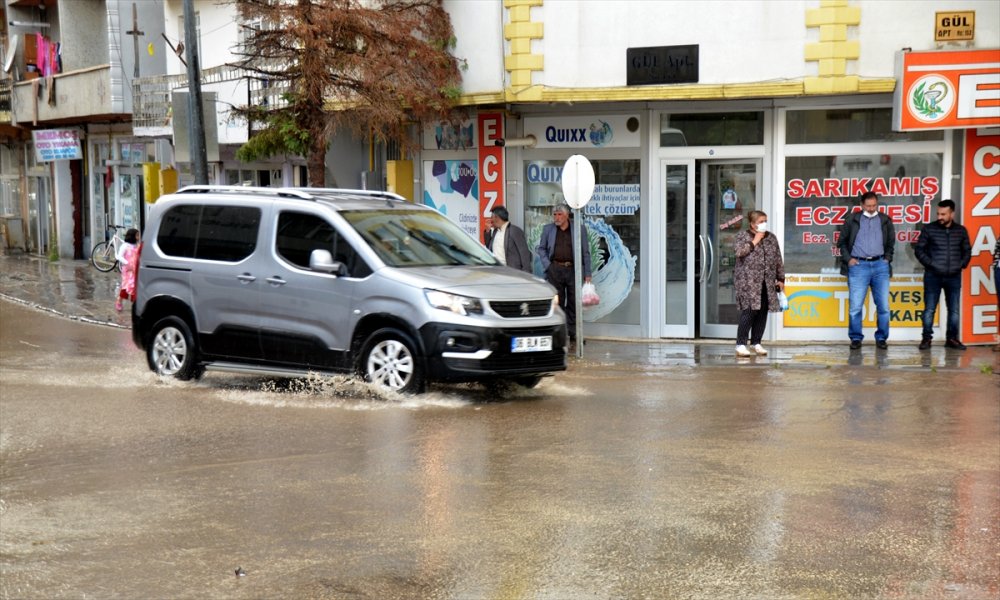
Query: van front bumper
[[476, 353]]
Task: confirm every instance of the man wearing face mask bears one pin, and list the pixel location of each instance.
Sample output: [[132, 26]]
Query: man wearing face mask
[[866, 243], [944, 250]]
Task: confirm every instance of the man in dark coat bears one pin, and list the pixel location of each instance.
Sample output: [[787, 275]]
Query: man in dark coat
[[944, 250], [555, 251], [866, 245], [508, 243]]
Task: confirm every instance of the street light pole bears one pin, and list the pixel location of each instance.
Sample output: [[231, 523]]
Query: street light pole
[[196, 118]]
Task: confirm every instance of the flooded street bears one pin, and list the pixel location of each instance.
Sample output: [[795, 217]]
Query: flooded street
[[638, 473]]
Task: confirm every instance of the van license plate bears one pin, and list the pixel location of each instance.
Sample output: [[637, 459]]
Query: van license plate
[[538, 343]]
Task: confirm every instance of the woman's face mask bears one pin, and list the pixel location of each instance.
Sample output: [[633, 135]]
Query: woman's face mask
[[762, 226]]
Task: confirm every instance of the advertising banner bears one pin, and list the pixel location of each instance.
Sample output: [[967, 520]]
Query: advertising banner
[[614, 199], [57, 144], [981, 216], [491, 167], [947, 89], [452, 187], [823, 301], [444, 135], [604, 131]]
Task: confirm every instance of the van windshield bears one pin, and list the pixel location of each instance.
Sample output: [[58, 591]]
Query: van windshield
[[416, 238]]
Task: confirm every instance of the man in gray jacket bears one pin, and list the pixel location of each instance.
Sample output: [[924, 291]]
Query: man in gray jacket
[[944, 250], [508, 243]]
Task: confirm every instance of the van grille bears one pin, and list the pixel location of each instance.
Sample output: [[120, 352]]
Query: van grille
[[516, 309]]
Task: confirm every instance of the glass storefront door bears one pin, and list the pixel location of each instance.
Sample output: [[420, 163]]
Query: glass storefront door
[[678, 250], [729, 190], [705, 204]]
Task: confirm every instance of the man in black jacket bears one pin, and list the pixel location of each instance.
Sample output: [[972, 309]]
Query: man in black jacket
[[944, 250], [867, 241]]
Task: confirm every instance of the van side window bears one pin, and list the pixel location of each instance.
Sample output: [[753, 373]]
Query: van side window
[[301, 233], [227, 233], [224, 233], [179, 231]]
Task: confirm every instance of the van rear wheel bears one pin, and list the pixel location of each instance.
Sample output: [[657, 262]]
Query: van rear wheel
[[389, 360], [171, 351]]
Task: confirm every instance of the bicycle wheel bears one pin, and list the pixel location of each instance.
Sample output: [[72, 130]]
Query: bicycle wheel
[[103, 257]]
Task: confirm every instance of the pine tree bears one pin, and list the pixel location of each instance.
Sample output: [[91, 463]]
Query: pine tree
[[364, 66]]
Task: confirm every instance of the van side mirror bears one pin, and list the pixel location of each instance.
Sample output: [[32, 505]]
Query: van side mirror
[[322, 261]]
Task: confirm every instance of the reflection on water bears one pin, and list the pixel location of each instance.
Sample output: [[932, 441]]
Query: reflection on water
[[785, 478]]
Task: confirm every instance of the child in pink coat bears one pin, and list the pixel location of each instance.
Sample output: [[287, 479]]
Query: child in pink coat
[[128, 260]]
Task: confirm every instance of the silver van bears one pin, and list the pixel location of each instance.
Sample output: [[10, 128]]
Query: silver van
[[290, 281]]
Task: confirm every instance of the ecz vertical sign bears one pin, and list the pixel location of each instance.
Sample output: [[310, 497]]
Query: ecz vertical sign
[[491, 166]]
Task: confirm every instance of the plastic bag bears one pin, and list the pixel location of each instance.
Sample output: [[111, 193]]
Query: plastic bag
[[589, 295], [782, 301]]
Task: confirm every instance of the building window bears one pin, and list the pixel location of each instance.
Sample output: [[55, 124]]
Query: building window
[[712, 129], [849, 125], [820, 191], [613, 227]]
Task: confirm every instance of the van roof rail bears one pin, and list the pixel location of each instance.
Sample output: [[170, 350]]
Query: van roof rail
[[373, 193], [239, 189]]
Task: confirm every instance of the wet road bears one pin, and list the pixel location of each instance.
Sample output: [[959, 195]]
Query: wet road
[[658, 475]]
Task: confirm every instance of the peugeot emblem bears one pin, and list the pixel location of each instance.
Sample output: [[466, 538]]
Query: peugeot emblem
[[524, 309]]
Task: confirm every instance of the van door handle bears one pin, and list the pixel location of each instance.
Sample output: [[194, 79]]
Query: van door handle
[[276, 280], [246, 278]]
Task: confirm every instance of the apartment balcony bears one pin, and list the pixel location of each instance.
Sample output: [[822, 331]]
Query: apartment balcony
[[74, 97], [152, 97]]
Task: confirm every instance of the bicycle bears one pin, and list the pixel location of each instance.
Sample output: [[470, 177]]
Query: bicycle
[[104, 256]]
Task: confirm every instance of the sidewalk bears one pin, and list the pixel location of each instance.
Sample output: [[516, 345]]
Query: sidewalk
[[75, 289]]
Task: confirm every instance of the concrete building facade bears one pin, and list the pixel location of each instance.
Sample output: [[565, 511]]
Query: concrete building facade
[[694, 113]]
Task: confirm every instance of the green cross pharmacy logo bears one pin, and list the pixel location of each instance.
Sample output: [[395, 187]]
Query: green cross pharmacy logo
[[931, 98]]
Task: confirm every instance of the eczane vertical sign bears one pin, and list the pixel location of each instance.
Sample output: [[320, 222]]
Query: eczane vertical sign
[[981, 216], [491, 166]]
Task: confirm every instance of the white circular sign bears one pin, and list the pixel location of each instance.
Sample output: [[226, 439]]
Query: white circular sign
[[577, 181], [931, 98]]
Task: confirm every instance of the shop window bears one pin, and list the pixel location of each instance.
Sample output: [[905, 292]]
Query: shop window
[[712, 129], [820, 191], [613, 222], [135, 153], [849, 125]]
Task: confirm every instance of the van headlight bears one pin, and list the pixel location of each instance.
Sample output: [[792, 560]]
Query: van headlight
[[461, 305]]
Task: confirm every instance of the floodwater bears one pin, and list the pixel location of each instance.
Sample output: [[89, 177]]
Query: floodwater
[[629, 476]]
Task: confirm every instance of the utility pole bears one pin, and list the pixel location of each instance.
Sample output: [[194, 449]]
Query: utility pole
[[135, 33], [196, 118]]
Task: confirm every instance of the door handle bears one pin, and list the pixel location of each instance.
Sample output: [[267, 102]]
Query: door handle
[[276, 280], [246, 278], [711, 260], [701, 242]]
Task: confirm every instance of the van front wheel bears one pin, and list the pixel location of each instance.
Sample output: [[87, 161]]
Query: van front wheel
[[171, 350], [389, 361]]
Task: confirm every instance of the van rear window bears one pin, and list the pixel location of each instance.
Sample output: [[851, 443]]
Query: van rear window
[[209, 232]]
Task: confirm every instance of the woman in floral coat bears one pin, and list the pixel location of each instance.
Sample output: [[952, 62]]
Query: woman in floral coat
[[760, 275]]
